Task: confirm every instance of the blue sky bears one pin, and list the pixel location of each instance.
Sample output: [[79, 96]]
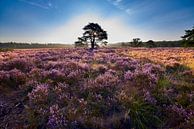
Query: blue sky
[[61, 21]]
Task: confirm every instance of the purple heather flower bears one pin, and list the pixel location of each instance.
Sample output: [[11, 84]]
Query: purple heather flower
[[56, 118], [39, 94], [128, 75]]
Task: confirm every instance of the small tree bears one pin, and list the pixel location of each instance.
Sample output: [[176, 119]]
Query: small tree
[[188, 38], [136, 42], [93, 34], [150, 43]]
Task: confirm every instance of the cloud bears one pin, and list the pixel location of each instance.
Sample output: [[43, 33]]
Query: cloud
[[119, 1], [119, 5], [68, 32], [38, 4]]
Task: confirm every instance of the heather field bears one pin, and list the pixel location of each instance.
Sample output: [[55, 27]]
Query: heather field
[[76, 88]]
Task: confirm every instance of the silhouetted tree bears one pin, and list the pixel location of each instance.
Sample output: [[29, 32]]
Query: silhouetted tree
[[93, 34], [81, 42], [150, 43], [189, 34], [188, 38], [136, 42]]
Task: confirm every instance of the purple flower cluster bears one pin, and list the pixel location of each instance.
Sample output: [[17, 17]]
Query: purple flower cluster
[[56, 118], [104, 80], [186, 114], [129, 75], [147, 72], [39, 94], [149, 98], [22, 64], [12, 78]]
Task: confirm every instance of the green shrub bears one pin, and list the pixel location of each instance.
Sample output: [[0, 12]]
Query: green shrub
[[141, 114]]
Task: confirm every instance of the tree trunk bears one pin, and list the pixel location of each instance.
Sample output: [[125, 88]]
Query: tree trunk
[[92, 43]]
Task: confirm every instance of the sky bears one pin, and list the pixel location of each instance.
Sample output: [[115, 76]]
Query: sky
[[61, 21]]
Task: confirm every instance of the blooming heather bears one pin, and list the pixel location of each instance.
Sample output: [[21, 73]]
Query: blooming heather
[[56, 118], [39, 94], [106, 88]]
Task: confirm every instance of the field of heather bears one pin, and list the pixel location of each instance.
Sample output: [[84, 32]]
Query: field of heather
[[107, 88]]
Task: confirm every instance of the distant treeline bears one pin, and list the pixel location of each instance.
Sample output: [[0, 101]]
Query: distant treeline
[[14, 45], [169, 43], [150, 44]]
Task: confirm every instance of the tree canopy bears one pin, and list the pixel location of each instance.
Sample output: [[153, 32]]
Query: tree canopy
[[150, 43], [189, 34], [136, 42], [93, 34], [188, 38]]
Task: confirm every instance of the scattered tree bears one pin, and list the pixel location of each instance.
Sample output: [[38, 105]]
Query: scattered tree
[[150, 43], [93, 34], [188, 38], [136, 42]]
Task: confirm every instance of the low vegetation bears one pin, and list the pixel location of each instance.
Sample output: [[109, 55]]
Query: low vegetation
[[105, 88], [15, 45]]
